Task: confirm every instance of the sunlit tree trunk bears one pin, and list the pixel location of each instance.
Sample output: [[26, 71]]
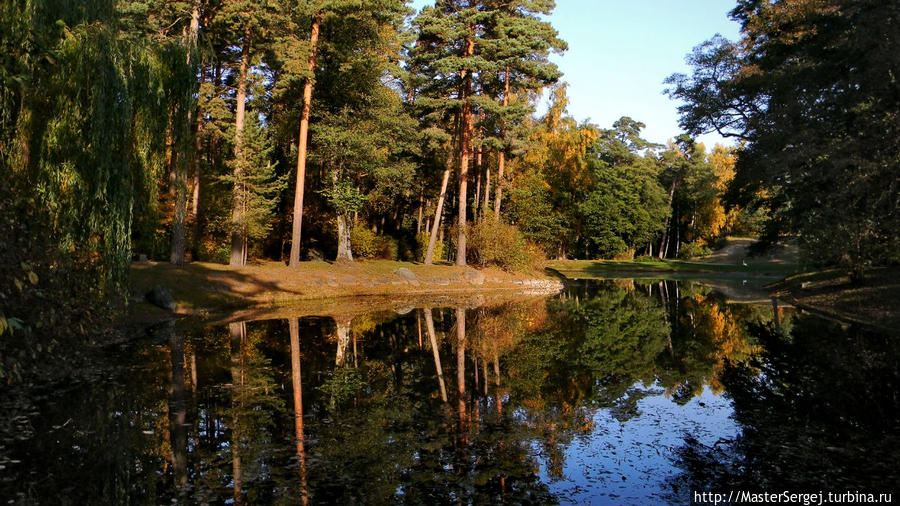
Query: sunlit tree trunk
[[301, 144], [478, 173], [238, 236], [465, 130], [436, 225], [487, 189], [501, 156]]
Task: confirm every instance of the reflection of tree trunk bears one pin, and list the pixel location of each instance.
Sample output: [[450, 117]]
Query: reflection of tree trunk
[[498, 397], [238, 333], [343, 340], [461, 368], [419, 328], [776, 315], [294, 325], [177, 411], [429, 327], [475, 371]]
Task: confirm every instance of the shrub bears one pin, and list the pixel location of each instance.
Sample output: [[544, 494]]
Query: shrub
[[691, 250], [422, 247], [490, 242], [363, 242], [388, 248]]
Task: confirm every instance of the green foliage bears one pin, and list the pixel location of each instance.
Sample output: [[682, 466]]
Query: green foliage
[[364, 242], [367, 244], [691, 250], [256, 185], [342, 384]]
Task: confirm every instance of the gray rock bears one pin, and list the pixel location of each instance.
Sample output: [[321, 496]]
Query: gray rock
[[161, 296], [474, 277], [441, 281], [142, 258], [405, 273], [315, 255]]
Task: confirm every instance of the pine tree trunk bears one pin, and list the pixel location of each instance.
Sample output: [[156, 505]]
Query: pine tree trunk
[[465, 128], [421, 210], [477, 188], [180, 166], [487, 189], [429, 254], [237, 213], [301, 144], [195, 197], [501, 158]]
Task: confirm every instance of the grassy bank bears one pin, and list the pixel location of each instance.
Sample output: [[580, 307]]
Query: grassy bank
[[872, 302], [607, 268], [205, 287]]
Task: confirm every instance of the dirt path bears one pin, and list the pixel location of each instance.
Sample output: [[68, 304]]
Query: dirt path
[[736, 252]]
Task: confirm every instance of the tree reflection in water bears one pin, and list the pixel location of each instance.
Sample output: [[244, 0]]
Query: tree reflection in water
[[818, 409], [613, 391]]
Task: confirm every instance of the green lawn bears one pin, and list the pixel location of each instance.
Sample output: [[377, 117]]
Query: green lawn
[[607, 268]]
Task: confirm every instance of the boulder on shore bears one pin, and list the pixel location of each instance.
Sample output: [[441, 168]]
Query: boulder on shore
[[405, 273], [160, 296]]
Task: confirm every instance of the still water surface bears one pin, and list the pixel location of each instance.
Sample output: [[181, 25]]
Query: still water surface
[[614, 392]]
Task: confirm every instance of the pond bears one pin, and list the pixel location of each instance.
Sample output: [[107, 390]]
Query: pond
[[613, 392]]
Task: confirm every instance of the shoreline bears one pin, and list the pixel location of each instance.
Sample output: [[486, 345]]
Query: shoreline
[[207, 290], [214, 292]]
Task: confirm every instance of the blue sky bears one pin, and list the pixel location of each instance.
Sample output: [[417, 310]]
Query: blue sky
[[620, 51]]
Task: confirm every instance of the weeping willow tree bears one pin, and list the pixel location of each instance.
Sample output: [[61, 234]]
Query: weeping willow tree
[[83, 108], [82, 104]]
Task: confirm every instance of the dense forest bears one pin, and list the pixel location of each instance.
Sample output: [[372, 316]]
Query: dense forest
[[230, 130]]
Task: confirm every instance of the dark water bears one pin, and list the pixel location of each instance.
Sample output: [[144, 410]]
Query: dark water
[[611, 393]]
